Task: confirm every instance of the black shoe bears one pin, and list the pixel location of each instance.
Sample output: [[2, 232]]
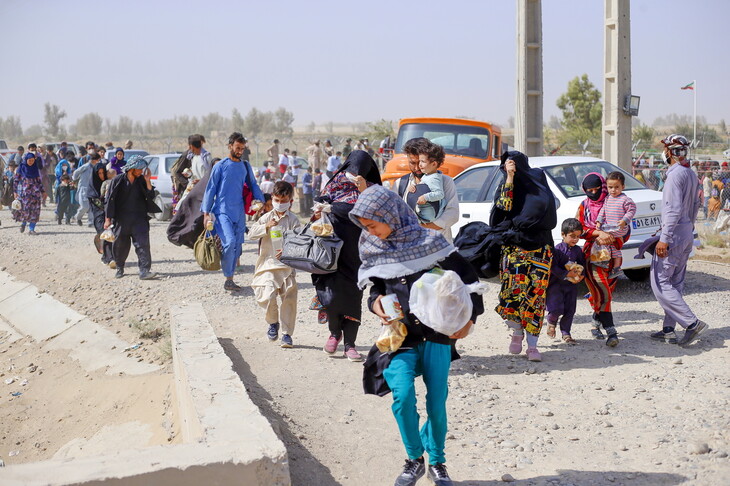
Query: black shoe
[[59, 220], [669, 337], [596, 332], [273, 332], [147, 275], [438, 475], [120, 272], [412, 472], [22, 227], [79, 222], [612, 340], [231, 285], [692, 333]]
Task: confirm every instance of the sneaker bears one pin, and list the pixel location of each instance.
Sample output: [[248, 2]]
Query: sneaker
[[692, 333], [147, 275], [438, 475], [533, 354], [112, 264], [330, 347], [515, 346], [286, 341], [412, 472], [596, 330], [120, 272], [612, 340], [273, 332], [668, 337], [615, 273], [79, 222], [352, 354], [231, 285]]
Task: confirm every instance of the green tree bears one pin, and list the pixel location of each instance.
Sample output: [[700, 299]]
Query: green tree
[[255, 123], [237, 121], [581, 106], [11, 127], [283, 121], [645, 133], [380, 129], [89, 124], [53, 116]]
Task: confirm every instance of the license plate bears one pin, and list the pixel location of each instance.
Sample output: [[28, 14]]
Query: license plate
[[646, 222]]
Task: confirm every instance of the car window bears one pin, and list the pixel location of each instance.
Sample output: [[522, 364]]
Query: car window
[[455, 139], [568, 177], [169, 162], [469, 185], [153, 164], [496, 181]]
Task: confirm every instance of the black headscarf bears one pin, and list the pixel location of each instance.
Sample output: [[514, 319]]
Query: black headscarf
[[533, 213], [96, 180], [360, 163]]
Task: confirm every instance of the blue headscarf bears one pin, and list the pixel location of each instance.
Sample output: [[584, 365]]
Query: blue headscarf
[[135, 162], [29, 171], [408, 249]]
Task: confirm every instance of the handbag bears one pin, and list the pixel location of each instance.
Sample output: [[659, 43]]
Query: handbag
[[206, 252], [303, 250]]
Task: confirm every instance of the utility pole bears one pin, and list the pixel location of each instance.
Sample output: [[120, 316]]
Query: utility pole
[[528, 110], [616, 135]]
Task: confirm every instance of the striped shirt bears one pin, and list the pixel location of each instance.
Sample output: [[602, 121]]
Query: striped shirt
[[615, 209]]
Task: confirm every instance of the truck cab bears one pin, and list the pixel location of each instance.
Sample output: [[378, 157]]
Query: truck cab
[[466, 142]]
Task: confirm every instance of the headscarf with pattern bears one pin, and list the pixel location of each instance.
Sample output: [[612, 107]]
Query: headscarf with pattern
[[135, 162], [408, 249]]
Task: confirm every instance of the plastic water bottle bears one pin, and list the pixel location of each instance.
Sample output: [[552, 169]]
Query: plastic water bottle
[[277, 238]]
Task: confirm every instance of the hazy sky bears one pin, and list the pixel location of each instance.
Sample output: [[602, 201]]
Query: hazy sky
[[341, 61]]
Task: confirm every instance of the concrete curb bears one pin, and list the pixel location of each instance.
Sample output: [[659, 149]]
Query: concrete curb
[[226, 439]]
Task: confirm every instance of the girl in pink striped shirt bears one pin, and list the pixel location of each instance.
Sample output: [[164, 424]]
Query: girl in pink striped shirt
[[615, 216]]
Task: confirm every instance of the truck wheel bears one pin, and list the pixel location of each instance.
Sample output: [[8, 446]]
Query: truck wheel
[[637, 274], [166, 213]]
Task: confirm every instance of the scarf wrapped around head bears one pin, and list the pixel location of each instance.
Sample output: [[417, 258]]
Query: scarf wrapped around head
[[135, 162], [593, 203], [408, 249], [340, 189], [29, 171]]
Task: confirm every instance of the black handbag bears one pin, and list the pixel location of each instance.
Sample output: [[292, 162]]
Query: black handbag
[[303, 250]]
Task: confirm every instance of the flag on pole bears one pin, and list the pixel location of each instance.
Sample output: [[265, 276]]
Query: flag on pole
[[689, 86]]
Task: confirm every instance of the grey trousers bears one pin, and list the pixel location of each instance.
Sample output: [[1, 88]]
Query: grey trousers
[[667, 279]]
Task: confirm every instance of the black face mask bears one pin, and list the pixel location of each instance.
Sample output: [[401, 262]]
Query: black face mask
[[593, 196]]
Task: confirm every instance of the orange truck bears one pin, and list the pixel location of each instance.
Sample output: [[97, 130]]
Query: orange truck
[[466, 142]]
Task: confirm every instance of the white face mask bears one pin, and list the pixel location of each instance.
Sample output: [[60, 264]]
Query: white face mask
[[666, 158], [281, 207], [351, 177]]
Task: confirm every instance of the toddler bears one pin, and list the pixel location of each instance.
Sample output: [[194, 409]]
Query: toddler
[[110, 174], [615, 217], [65, 205], [431, 203], [271, 277], [566, 271]]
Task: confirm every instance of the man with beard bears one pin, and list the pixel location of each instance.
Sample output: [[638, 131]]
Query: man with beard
[[131, 198], [223, 203], [415, 149]]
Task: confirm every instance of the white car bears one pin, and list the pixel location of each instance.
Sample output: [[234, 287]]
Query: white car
[[160, 165], [477, 184]]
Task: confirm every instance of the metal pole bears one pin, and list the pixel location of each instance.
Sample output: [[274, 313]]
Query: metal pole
[[694, 135]]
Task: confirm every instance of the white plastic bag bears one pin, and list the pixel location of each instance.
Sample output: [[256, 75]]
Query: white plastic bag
[[108, 235], [391, 336], [16, 205], [323, 226], [600, 255], [441, 300]]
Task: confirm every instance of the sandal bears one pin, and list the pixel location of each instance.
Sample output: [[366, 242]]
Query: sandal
[[551, 330], [567, 338]]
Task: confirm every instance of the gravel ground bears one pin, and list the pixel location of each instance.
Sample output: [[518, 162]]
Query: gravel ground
[[643, 413]]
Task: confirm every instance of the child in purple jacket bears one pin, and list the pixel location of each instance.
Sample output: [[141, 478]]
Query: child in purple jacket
[[562, 292]]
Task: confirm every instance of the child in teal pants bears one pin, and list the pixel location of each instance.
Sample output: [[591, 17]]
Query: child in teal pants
[[395, 252]]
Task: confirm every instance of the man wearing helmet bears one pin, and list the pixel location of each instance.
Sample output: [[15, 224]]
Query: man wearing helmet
[[680, 204]]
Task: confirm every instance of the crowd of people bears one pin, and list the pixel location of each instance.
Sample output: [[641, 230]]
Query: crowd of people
[[390, 239]]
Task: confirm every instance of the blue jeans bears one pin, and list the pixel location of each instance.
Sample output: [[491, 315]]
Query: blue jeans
[[231, 235], [432, 361]]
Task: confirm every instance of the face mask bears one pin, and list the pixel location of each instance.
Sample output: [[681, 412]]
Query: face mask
[[593, 196], [281, 207], [665, 158], [350, 177]]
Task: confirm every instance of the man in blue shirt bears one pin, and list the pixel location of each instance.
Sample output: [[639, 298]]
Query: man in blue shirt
[[223, 203], [333, 164]]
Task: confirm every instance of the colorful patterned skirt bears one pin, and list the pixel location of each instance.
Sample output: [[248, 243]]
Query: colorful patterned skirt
[[524, 275], [30, 194]]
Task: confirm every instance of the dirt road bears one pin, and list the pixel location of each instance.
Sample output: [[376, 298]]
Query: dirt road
[[643, 413]]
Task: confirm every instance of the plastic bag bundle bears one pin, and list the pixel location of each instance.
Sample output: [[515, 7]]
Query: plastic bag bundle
[[107, 235], [441, 300], [323, 226], [574, 266], [16, 205], [391, 336], [600, 255]]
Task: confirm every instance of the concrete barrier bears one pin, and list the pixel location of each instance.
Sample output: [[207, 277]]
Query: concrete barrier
[[226, 440]]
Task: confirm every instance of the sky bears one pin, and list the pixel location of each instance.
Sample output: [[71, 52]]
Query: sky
[[342, 61]]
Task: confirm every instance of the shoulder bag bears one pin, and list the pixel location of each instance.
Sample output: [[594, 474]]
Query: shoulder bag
[[303, 250]]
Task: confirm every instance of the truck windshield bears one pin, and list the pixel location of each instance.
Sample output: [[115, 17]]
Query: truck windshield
[[463, 140]]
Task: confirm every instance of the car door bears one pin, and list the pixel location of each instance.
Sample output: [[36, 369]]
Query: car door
[[475, 199]]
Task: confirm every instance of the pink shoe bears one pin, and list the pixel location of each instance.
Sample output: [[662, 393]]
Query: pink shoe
[[353, 355], [330, 347], [515, 347], [533, 354]]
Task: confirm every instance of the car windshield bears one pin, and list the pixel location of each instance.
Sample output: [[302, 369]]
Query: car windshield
[[455, 139], [568, 177], [129, 153]]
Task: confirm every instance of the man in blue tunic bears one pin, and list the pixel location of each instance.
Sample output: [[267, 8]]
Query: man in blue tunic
[[680, 204], [223, 203]]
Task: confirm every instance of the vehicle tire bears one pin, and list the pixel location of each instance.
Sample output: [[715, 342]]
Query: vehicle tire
[[637, 274], [166, 213]]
